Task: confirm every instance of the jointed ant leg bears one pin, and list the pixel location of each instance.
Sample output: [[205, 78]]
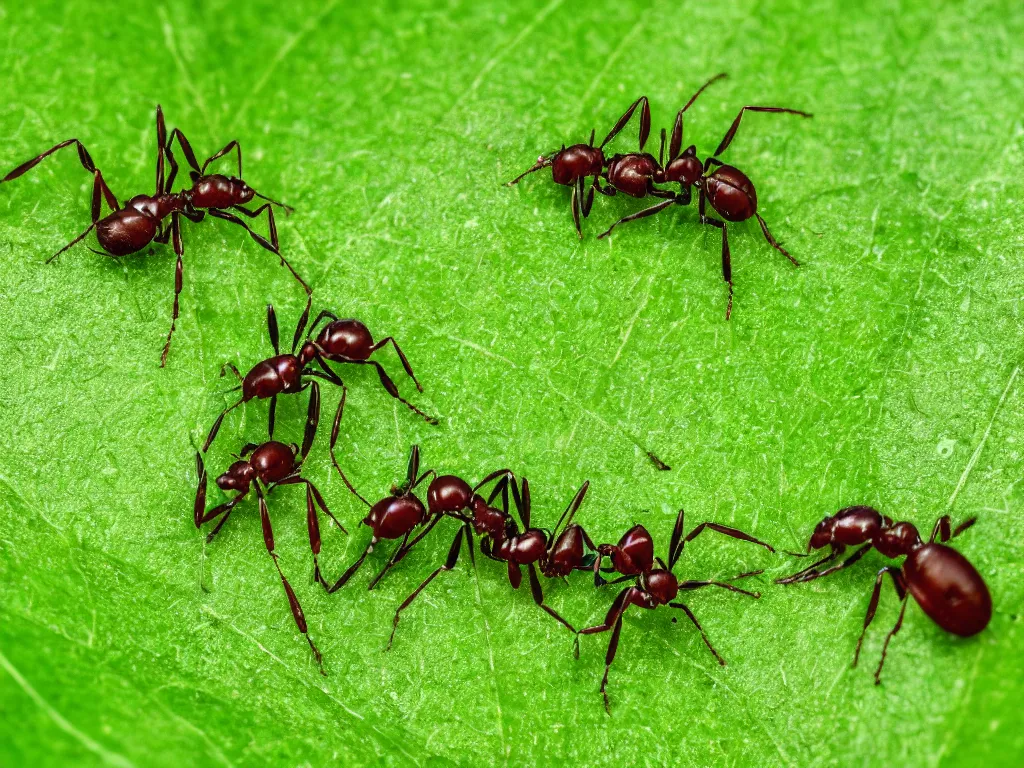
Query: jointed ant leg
[[404, 549], [179, 250], [727, 140], [722, 584], [293, 601], [773, 242], [388, 385], [335, 428], [100, 190], [449, 564], [645, 122], [639, 215], [538, 598], [897, 582], [272, 245], [889, 637], [795, 577], [542, 162], [726, 258], [216, 425], [804, 576], [685, 609]]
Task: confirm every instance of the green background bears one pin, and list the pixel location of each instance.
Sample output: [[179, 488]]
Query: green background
[[884, 371]]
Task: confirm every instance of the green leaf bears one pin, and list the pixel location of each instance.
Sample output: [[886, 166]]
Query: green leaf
[[885, 371]]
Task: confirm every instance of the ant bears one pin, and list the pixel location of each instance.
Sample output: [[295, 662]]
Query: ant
[[398, 514], [140, 222], [344, 341], [277, 375], [271, 464], [503, 540], [571, 166], [634, 558], [727, 189], [942, 581]]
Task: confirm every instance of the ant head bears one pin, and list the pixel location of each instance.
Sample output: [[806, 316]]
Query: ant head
[[685, 169], [307, 353], [244, 191], [237, 478]]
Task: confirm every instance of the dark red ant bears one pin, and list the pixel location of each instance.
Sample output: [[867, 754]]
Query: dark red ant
[[271, 464], [942, 581], [571, 166], [633, 557], [140, 222], [343, 341], [505, 541], [277, 375], [729, 191], [401, 512]]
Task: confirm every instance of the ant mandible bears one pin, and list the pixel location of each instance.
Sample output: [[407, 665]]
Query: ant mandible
[[503, 540], [140, 222], [727, 189], [571, 166], [942, 581], [633, 557], [271, 464]]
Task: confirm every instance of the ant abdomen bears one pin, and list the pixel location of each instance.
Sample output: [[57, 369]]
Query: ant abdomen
[[125, 232], [949, 589]]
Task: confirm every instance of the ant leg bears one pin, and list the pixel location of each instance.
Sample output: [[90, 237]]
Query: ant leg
[[685, 609], [885, 646], [293, 601], [645, 122], [186, 149], [312, 421], [401, 356], [233, 144], [229, 366], [449, 564], [392, 390], [722, 584], [404, 549], [85, 159], [350, 571], [726, 259], [736, 123], [538, 597], [396, 555], [588, 202], [836, 551], [320, 317], [161, 140], [640, 215], [577, 203], [818, 574], [894, 573], [295, 479], [179, 250], [542, 162], [773, 242], [726, 531], [200, 515], [272, 245], [216, 425], [613, 621], [963, 527], [334, 440]]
